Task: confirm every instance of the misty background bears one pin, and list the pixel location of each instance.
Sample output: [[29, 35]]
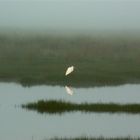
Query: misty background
[[89, 15]]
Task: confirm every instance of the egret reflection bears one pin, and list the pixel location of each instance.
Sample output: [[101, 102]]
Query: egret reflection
[[69, 90]]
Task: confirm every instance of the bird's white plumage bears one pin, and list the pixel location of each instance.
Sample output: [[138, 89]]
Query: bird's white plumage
[[69, 70]]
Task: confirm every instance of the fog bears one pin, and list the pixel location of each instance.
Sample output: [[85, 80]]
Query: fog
[[70, 14]]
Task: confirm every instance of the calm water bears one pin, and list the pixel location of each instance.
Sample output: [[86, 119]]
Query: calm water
[[20, 124]]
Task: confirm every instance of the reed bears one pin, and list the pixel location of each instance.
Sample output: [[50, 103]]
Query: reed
[[53, 107]]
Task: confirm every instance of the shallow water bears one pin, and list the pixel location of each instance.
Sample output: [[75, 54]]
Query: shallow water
[[12, 93], [20, 124]]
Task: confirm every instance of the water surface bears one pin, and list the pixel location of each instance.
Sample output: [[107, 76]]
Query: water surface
[[12, 93], [17, 123]]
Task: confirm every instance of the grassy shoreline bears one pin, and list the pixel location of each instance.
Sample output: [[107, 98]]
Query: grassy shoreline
[[53, 107], [98, 138], [43, 59]]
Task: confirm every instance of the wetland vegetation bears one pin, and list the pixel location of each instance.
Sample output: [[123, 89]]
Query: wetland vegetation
[[100, 138], [43, 59], [53, 107]]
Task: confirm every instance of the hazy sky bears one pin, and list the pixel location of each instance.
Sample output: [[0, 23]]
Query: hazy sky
[[70, 14]]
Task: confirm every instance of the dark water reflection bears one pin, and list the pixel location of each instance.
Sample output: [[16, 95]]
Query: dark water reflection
[[20, 124]]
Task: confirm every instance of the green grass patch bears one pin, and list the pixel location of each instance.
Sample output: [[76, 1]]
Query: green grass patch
[[43, 59], [98, 138], [53, 106]]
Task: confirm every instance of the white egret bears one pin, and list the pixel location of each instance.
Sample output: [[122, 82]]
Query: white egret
[[69, 70], [69, 90]]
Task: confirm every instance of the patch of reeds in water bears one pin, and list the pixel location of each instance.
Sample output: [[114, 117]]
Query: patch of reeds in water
[[98, 138], [53, 106]]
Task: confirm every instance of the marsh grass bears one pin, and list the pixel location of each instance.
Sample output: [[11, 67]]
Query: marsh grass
[[43, 59], [53, 106], [98, 138]]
